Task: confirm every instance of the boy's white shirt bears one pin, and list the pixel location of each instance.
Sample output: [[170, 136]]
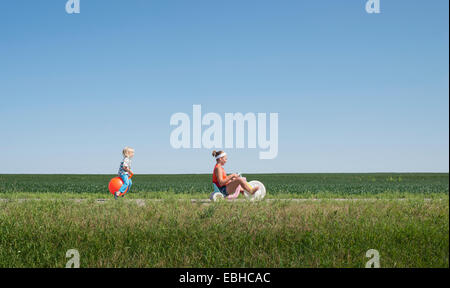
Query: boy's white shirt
[[125, 163]]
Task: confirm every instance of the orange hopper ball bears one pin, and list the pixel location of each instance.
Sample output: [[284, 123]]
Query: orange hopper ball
[[115, 184]]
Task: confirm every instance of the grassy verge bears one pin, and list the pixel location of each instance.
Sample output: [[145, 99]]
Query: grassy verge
[[170, 233]]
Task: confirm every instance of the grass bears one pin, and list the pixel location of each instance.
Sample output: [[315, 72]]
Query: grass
[[174, 232], [169, 233]]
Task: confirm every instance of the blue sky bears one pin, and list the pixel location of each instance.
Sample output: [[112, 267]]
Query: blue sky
[[355, 92]]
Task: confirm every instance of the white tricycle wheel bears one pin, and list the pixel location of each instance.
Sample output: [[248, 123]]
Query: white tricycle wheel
[[259, 195], [216, 196]]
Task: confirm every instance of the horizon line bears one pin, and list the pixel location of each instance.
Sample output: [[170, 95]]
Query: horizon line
[[413, 172]]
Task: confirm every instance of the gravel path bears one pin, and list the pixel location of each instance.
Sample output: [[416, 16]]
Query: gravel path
[[141, 202]]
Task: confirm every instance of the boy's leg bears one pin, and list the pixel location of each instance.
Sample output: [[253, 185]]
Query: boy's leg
[[129, 186], [125, 183]]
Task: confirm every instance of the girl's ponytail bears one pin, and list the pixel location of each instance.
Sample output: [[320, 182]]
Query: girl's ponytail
[[216, 153]]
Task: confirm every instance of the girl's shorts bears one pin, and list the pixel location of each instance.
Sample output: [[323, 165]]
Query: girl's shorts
[[223, 190]]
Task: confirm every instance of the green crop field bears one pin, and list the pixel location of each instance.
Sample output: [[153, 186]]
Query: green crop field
[[339, 218], [278, 185]]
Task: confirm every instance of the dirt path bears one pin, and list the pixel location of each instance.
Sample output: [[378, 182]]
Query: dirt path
[[142, 202]]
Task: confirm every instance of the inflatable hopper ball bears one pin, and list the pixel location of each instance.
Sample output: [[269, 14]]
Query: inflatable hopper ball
[[115, 184]]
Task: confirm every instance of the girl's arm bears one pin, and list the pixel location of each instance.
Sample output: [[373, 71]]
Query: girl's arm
[[219, 176]]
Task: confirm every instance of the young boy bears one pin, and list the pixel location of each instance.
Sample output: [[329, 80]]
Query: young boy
[[125, 171]]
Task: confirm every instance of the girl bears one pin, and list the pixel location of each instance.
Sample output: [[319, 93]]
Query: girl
[[228, 184], [125, 171]]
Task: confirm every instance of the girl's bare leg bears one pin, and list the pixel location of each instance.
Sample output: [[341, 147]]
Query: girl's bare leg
[[231, 187]]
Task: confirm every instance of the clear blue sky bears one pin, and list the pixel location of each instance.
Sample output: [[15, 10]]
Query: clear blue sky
[[354, 92]]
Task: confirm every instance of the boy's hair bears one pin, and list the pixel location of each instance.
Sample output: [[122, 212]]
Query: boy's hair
[[126, 151]]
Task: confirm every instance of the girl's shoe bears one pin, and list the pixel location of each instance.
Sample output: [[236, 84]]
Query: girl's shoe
[[116, 195]]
